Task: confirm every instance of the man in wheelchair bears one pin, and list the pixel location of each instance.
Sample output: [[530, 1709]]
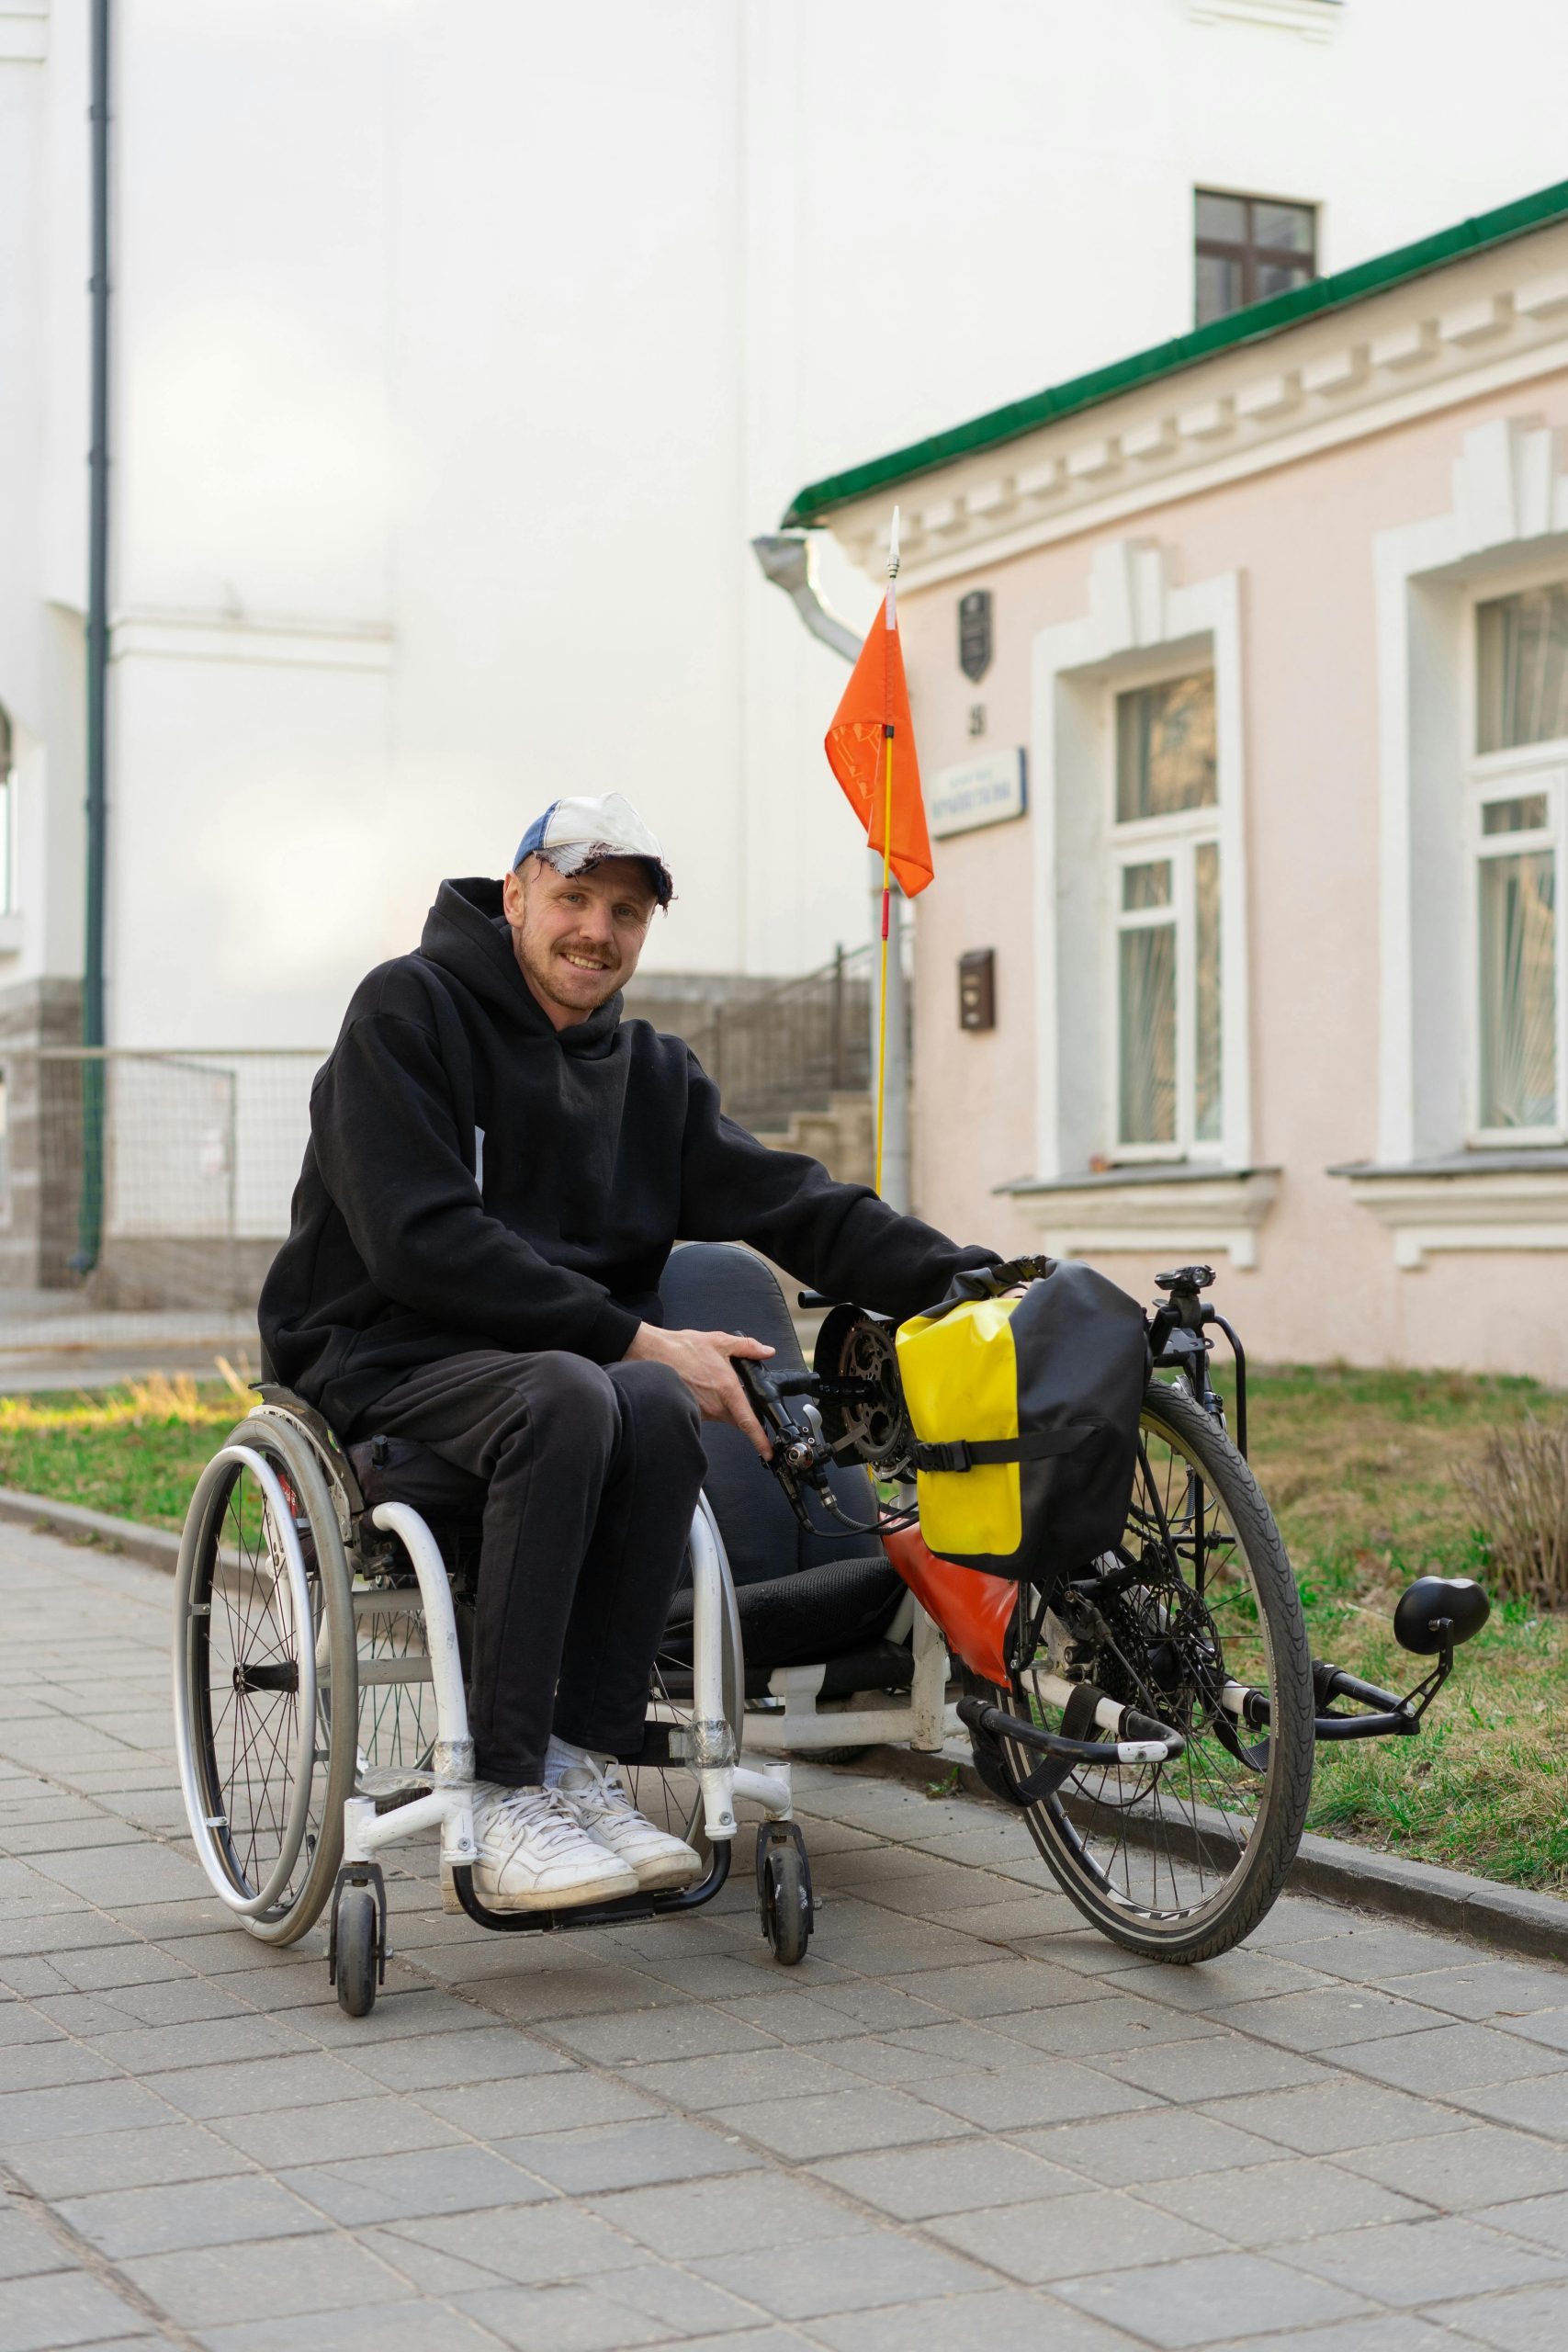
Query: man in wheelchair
[[499, 1167]]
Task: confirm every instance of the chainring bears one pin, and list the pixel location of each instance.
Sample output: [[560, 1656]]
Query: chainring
[[872, 1422]]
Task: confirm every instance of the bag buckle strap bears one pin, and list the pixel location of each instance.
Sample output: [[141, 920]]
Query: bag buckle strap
[[981, 1454]]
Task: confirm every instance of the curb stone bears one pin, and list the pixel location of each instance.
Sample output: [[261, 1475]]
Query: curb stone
[[1504, 1918], [154, 1545]]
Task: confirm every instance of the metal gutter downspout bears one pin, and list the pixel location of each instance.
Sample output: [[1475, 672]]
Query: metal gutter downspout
[[785, 557], [91, 1213]]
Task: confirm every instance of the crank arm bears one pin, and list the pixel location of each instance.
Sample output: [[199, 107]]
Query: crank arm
[[1139, 1738], [1388, 1717]]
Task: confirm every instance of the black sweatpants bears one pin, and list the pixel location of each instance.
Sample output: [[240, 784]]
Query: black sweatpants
[[594, 1475]]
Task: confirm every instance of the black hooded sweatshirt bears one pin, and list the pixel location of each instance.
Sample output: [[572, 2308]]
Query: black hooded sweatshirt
[[477, 1177]]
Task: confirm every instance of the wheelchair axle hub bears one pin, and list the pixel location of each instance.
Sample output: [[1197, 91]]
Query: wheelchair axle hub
[[284, 1676]]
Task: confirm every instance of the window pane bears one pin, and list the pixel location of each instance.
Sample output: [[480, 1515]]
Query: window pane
[[1221, 288], [1519, 991], [1146, 886], [1522, 669], [1222, 216], [1279, 277], [1165, 749], [1283, 227], [1521, 816], [1148, 1034], [1206, 1100]]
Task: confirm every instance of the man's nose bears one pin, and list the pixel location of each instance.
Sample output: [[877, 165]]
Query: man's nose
[[595, 924]]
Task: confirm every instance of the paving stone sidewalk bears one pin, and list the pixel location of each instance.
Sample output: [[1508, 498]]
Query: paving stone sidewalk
[[963, 2121]]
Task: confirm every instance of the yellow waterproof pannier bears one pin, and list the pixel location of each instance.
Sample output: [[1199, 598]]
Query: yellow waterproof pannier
[[1025, 1402]]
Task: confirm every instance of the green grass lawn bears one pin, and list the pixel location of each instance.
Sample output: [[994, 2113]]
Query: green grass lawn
[[1360, 1467], [135, 1452]]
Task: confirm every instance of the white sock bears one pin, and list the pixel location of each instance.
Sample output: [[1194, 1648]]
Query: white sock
[[561, 1757]]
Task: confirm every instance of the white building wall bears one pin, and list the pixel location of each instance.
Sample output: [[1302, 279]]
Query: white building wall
[[459, 352]]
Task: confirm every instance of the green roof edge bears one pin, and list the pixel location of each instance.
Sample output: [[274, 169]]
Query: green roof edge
[[1250, 325]]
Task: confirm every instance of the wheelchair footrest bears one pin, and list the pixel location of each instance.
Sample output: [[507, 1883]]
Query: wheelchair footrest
[[590, 1915]]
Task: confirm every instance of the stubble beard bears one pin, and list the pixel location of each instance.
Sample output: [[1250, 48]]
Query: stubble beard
[[540, 974]]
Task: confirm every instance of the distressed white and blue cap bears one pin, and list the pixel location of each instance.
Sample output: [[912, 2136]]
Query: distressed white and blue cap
[[574, 835]]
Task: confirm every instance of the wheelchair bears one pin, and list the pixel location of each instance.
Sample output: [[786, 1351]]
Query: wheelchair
[[323, 1619], [1153, 1713]]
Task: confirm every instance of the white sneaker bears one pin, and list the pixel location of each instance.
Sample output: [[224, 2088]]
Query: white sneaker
[[534, 1855], [603, 1808]]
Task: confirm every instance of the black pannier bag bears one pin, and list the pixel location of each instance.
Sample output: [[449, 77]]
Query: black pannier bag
[[1025, 1409]]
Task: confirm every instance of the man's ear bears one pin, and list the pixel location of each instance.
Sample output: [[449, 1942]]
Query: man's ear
[[514, 892]]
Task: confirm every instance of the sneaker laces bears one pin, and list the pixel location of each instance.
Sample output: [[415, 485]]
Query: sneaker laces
[[539, 1817], [604, 1793]]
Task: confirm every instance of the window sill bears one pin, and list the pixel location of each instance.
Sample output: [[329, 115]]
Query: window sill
[[1188, 1209], [1508, 1199]]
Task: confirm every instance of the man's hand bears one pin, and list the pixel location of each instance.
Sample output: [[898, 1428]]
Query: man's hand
[[702, 1360]]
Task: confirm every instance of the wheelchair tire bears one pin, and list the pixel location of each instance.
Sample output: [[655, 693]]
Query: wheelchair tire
[[265, 1669], [1179, 1861], [356, 1929], [784, 1902]]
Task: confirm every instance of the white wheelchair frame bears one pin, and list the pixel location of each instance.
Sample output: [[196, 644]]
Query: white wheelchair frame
[[713, 1760], [390, 1806]]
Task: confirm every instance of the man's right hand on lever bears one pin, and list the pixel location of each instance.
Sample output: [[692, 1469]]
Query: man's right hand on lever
[[705, 1361]]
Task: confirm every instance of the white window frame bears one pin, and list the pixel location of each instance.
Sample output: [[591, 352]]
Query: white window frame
[[1140, 841], [1522, 770], [1140, 627]]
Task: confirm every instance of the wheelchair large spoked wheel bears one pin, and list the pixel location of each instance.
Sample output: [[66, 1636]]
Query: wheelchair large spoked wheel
[[265, 1656], [1179, 1861]]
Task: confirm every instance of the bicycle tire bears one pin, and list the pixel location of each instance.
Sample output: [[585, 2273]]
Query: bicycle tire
[[1271, 1774]]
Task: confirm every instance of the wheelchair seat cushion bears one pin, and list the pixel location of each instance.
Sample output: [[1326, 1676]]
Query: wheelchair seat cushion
[[401, 1470], [797, 1620]]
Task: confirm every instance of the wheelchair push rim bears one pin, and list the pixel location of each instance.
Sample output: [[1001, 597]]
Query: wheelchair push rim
[[264, 1656], [243, 1601]]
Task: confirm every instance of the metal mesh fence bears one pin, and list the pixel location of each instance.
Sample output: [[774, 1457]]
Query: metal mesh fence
[[143, 1184]]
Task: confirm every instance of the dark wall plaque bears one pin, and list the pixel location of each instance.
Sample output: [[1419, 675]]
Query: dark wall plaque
[[977, 988], [975, 633]]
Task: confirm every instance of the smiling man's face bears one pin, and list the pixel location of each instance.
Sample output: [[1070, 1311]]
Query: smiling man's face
[[577, 937]]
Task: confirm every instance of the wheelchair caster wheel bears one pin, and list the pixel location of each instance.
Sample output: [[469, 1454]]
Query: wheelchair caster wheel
[[783, 1892], [357, 1959]]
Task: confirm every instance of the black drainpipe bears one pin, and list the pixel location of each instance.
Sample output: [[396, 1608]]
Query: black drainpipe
[[90, 1222]]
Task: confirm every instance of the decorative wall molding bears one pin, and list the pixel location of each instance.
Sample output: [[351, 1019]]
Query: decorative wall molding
[[1310, 19], [278, 644], [24, 32], [1187, 1215], [1485, 1209], [1473, 327]]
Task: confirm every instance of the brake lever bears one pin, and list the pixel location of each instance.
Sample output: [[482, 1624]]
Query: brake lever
[[800, 1453]]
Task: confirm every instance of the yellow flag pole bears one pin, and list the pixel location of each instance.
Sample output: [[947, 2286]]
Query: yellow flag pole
[[886, 907], [886, 864]]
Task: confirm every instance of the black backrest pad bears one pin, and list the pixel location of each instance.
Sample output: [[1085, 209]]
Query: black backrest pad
[[717, 1286]]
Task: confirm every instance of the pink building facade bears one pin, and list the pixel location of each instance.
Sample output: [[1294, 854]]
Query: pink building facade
[[1272, 629]]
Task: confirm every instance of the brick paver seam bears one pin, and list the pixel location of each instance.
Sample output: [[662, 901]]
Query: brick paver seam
[[84, 2256], [770, 2159]]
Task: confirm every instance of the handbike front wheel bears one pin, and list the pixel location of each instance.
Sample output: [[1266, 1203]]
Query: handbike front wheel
[[1179, 1860]]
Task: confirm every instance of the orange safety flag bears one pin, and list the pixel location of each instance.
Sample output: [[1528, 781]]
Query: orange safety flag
[[875, 699]]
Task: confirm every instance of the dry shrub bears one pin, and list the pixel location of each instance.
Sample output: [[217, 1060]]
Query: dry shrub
[[1519, 1488]]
